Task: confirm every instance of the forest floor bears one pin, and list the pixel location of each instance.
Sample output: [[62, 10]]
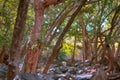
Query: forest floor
[[65, 70]]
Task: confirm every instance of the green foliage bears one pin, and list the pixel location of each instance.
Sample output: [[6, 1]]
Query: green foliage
[[67, 47], [8, 11]]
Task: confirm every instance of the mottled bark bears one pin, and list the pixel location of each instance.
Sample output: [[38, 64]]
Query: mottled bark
[[19, 28], [32, 56]]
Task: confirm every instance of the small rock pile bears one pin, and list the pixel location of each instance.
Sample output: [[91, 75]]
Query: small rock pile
[[67, 71], [64, 71]]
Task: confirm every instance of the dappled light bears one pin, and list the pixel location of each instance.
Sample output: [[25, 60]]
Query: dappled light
[[59, 39]]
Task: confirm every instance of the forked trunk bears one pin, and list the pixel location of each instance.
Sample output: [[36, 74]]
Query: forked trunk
[[34, 47]]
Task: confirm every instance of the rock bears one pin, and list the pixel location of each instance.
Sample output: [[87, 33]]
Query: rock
[[61, 78], [58, 71], [48, 77], [72, 70], [64, 63], [3, 72], [52, 70], [83, 77], [63, 69], [78, 64], [27, 76]]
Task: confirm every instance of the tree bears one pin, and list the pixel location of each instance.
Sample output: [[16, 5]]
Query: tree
[[19, 28], [32, 56]]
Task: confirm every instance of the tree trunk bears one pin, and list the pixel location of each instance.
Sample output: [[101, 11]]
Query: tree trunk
[[59, 41], [74, 49], [32, 56], [85, 41], [19, 28], [2, 54]]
